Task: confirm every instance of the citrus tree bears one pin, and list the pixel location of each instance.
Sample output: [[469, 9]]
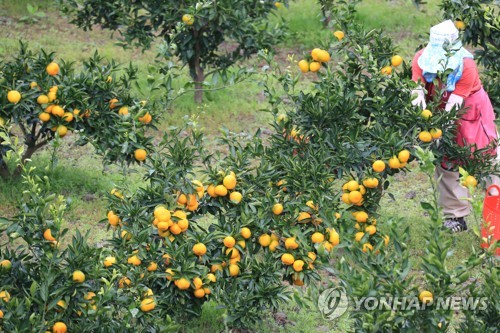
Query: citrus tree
[[205, 35], [43, 99]]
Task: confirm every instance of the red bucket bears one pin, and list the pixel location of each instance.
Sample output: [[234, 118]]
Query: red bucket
[[491, 217]]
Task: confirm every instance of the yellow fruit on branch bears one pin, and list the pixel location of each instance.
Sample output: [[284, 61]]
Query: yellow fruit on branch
[[78, 277], [317, 237], [6, 264], [404, 156], [47, 235], [199, 293], [426, 297], [287, 259], [140, 154], [229, 241], [220, 190], [394, 163], [264, 240], [199, 249], [387, 70], [396, 60], [378, 166], [52, 69], [277, 209], [304, 217], [235, 197], [5, 296], [234, 270], [291, 243], [425, 136], [147, 304], [188, 19], [42, 99], [59, 327], [14, 96], [314, 66], [298, 265], [304, 66], [109, 261], [339, 34], [245, 232], [183, 284], [426, 114], [436, 133]]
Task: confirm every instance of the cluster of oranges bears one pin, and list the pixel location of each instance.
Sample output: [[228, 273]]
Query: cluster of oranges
[[396, 60], [433, 133], [190, 201], [318, 56], [353, 193], [170, 223], [223, 189], [398, 161]]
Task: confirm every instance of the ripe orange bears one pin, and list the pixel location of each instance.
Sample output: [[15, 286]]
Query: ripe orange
[[124, 282], [387, 70], [113, 103], [113, 219], [199, 293], [355, 197], [264, 240], [311, 205], [234, 270], [220, 190], [317, 237], [291, 243], [245, 233], [47, 234], [314, 54], [62, 131], [470, 181], [211, 191], [436, 133], [304, 66], [425, 136], [371, 182], [78, 277], [183, 284], [352, 185], [460, 25], [277, 209], [162, 214], [323, 56], [147, 304], [52, 96], [425, 297], [199, 249], [146, 119], [371, 229], [378, 166], [367, 247], [14, 96], [5, 296], [274, 244], [361, 217], [396, 60], [229, 241], [134, 260], [287, 259], [358, 236], [123, 111], [140, 154], [339, 34], [57, 111], [188, 19], [394, 163], [42, 99], [109, 261], [33, 84], [52, 69], [404, 156], [345, 198], [314, 66], [386, 240], [197, 282], [211, 277], [152, 267], [298, 265], [235, 197], [426, 114], [303, 217], [229, 182], [183, 223], [233, 252], [334, 238], [59, 327], [68, 117]]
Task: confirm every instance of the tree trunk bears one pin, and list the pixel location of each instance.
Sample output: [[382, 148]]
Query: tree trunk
[[197, 72], [30, 150], [4, 170]]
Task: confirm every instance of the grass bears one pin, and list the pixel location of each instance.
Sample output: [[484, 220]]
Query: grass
[[79, 176]]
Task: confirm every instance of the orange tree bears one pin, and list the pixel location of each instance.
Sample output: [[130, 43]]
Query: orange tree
[[204, 35], [45, 100]]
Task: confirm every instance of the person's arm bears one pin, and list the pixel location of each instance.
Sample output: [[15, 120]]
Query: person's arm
[[465, 86], [417, 94]]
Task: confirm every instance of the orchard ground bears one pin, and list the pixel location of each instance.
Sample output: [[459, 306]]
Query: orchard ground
[[84, 182]]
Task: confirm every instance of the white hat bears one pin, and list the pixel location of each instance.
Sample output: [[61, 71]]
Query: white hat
[[434, 58]]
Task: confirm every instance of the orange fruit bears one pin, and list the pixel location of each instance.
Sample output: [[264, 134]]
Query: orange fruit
[[361, 217], [298, 265], [274, 244], [42, 99], [404, 156], [220, 190], [367, 247], [287, 259], [425, 136], [323, 56], [317, 237], [47, 234], [183, 284], [113, 103], [425, 296], [352, 185], [460, 25], [314, 66], [199, 249], [291, 243], [436, 133], [345, 198], [109, 261], [134, 260], [303, 216], [334, 238], [146, 119], [183, 224], [113, 219], [197, 282], [470, 181], [229, 241], [14, 96], [358, 236], [124, 282], [57, 111], [62, 131], [277, 209], [233, 252], [264, 240], [188, 19], [371, 182], [234, 270], [378, 166], [304, 66], [387, 70], [152, 267], [52, 69], [235, 197], [229, 182], [394, 163], [371, 229], [6, 264], [386, 240], [199, 293], [211, 191], [5, 296], [162, 214], [123, 111], [396, 60], [140, 154], [314, 54], [339, 34], [426, 114], [245, 232], [33, 84], [78, 277], [68, 117], [355, 197], [59, 327], [147, 304]]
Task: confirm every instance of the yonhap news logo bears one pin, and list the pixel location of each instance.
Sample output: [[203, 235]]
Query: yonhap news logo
[[334, 302]]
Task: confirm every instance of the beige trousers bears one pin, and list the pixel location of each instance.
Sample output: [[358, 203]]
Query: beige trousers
[[453, 196]]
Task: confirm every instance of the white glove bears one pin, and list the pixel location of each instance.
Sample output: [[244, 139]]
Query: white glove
[[420, 99], [453, 101]]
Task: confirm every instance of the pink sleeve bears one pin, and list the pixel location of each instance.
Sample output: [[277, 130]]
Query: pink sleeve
[[469, 82], [416, 71]]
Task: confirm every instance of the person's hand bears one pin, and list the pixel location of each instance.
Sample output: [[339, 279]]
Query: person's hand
[[420, 98], [453, 101]]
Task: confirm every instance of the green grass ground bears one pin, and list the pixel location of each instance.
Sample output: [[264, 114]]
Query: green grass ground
[[84, 182]]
